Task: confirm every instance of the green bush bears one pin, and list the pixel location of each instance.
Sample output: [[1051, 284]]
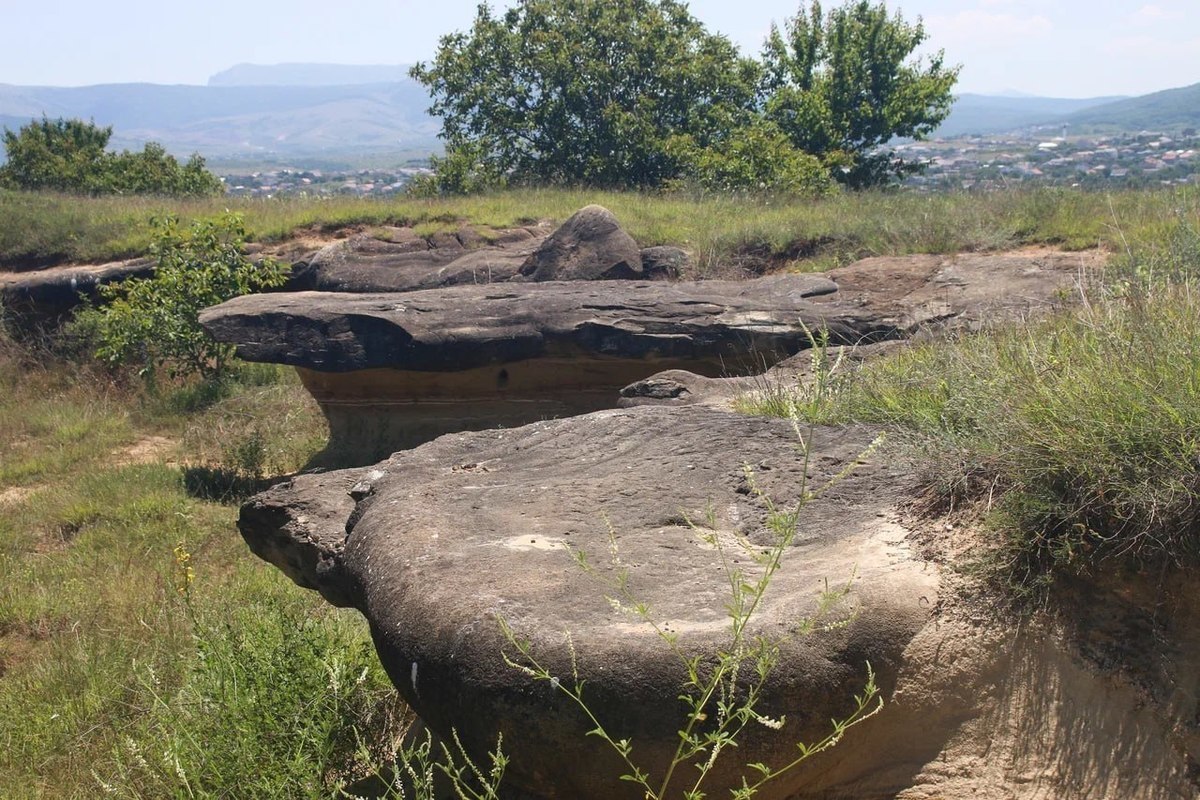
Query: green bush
[[758, 159], [154, 322], [69, 155]]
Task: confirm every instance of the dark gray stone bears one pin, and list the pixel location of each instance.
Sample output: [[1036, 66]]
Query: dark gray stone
[[665, 262], [590, 245]]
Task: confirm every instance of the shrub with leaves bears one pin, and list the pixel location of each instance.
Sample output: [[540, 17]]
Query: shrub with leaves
[[759, 158], [70, 155], [154, 322]]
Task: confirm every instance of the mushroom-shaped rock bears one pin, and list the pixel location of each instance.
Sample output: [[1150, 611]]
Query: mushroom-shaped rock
[[394, 370], [448, 539], [590, 245]]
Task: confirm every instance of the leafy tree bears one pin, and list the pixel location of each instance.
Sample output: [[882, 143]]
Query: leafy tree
[[842, 84], [60, 154], [154, 321], [71, 156], [155, 171], [596, 92]]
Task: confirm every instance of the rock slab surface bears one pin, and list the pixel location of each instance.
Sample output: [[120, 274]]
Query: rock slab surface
[[438, 543], [465, 327]]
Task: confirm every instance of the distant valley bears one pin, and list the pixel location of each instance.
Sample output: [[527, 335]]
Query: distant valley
[[341, 117]]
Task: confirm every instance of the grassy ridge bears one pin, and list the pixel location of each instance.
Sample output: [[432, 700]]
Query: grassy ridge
[[43, 228]]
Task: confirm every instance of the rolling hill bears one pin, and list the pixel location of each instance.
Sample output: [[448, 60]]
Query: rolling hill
[[985, 114], [243, 120], [1171, 109]]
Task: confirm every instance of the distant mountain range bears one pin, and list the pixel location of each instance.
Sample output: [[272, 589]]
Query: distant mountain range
[[1169, 110], [309, 74], [299, 111], [330, 111]]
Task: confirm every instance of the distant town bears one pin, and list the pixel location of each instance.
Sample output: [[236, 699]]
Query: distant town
[[1049, 156], [298, 182], [1045, 156]]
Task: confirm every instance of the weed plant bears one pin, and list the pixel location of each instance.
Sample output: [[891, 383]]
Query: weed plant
[[271, 701]]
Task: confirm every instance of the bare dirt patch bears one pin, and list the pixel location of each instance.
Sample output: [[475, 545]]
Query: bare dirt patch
[[147, 450], [15, 494]]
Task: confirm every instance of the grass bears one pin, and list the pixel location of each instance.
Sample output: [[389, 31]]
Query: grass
[[1078, 435], [143, 651], [808, 234]]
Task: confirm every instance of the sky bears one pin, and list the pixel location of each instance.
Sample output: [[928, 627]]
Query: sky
[[1053, 48]]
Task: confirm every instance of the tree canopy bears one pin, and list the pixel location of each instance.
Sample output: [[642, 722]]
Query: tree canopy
[[595, 92], [69, 155], [637, 93], [842, 84]]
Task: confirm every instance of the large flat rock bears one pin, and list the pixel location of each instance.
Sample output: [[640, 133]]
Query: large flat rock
[[437, 543], [394, 370], [48, 295], [466, 327], [406, 262]]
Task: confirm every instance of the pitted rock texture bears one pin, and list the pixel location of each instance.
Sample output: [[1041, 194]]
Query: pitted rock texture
[[436, 544], [449, 537]]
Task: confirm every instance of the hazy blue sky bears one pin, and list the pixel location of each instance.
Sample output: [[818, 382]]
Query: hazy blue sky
[[1065, 48]]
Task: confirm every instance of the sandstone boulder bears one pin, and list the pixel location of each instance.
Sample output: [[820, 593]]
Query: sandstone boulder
[[590, 245], [406, 262], [436, 544]]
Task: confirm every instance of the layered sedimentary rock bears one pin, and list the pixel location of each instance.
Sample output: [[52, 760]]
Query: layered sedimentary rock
[[437, 545], [393, 370]]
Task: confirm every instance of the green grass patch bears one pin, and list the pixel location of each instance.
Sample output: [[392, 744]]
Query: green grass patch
[[41, 228], [111, 680]]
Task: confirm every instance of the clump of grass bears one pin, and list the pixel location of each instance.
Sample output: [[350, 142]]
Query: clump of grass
[[92, 632], [1080, 433], [272, 701]]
